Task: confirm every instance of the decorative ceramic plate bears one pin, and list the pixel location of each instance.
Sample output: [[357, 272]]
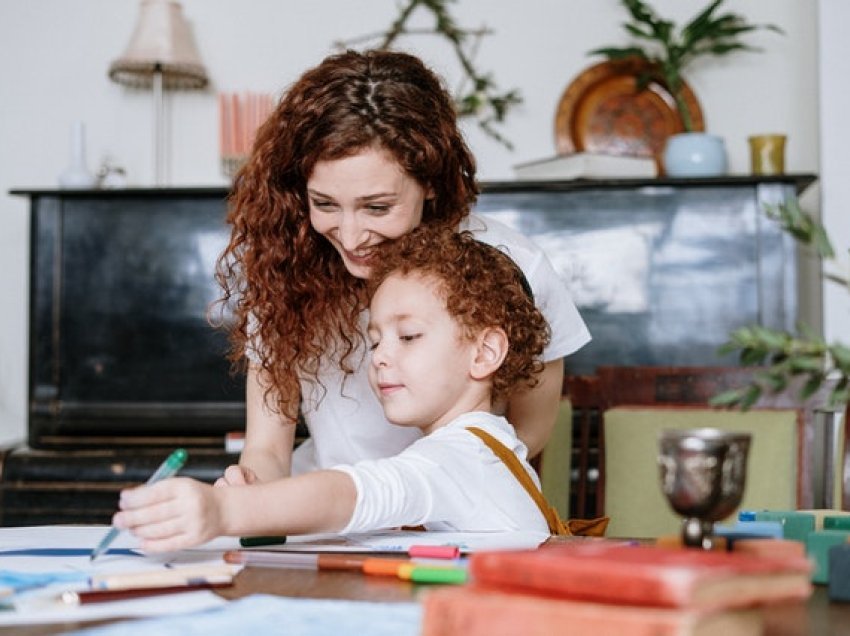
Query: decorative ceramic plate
[[602, 111]]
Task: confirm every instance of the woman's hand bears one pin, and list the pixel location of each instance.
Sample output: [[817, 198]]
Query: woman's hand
[[170, 515], [236, 475]]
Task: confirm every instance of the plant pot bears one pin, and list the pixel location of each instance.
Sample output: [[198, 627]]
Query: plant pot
[[694, 155]]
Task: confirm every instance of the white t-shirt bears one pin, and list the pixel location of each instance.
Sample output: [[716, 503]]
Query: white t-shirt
[[346, 421], [450, 481]]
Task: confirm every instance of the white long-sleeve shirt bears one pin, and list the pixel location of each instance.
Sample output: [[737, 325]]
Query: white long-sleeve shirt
[[344, 417], [449, 480]]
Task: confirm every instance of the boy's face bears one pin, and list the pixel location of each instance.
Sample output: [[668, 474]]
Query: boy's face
[[420, 367]]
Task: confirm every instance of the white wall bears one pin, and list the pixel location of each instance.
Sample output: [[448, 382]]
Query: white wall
[[54, 55], [835, 139]]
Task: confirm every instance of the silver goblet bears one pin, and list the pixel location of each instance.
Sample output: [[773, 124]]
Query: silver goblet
[[703, 474]]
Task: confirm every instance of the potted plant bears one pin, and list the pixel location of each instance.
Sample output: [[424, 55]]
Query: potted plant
[[787, 357], [668, 50], [479, 97]]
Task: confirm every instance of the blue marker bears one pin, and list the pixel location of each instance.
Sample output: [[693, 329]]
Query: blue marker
[[167, 469]]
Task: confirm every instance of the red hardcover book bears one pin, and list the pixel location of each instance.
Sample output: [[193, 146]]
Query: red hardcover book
[[475, 611], [645, 575]]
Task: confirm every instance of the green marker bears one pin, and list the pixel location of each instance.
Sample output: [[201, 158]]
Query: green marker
[[257, 542], [167, 469], [436, 574]]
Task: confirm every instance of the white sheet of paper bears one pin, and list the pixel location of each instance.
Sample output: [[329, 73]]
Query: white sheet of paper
[[41, 606], [42, 611], [265, 614]]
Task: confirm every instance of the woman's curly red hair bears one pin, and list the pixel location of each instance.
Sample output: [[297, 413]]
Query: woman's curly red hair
[[291, 298], [482, 287]]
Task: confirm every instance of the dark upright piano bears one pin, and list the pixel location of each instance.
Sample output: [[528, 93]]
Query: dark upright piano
[[124, 365]]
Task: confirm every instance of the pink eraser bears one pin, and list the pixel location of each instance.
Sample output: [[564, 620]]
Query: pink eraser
[[434, 551]]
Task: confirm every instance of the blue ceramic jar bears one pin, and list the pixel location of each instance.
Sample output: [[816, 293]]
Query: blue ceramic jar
[[694, 154]]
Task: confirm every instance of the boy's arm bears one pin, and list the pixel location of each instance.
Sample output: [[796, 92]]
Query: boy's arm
[[181, 513], [533, 411], [320, 501]]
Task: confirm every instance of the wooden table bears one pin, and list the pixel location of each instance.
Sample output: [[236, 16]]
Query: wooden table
[[818, 617]]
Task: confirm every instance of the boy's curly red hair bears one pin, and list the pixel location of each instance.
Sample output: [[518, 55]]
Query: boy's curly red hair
[[482, 287]]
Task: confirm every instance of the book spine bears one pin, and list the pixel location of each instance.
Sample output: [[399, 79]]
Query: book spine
[[474, 611], [583, 579]]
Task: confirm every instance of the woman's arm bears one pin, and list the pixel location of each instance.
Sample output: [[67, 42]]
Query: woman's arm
[[533, 412], [269, 438]]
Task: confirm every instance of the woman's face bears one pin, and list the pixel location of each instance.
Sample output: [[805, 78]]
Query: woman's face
[[361, 201]]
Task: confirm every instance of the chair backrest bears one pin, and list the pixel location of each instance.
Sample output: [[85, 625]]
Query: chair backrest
[[787, 456], [632, 491], [685, 389]]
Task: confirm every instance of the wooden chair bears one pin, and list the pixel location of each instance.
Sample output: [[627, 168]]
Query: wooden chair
[[587, 400], [610, 407]]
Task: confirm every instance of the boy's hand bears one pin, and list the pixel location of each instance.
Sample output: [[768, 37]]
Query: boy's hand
[[173, 514], [236, 475]]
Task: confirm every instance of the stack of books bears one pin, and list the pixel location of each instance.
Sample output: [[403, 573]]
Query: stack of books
[[603, 587]]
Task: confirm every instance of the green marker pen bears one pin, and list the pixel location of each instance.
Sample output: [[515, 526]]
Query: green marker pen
[[257, 542], [167, 469], [437, 574]]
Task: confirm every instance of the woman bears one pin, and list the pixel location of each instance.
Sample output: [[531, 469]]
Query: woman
[[360, 150]]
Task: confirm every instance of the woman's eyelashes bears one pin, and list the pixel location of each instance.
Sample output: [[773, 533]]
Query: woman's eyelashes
[[375, 209], [323, 204]]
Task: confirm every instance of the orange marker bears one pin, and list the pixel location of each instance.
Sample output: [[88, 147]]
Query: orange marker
[[383, 567]]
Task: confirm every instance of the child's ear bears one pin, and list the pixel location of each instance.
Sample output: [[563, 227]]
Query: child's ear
[[491, 349]]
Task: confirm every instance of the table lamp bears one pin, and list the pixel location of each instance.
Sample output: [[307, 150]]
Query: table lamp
[[161, 55]]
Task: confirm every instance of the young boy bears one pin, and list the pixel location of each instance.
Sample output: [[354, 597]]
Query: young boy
[[453, 329]]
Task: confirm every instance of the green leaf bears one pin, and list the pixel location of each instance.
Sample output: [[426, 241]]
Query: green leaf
[[805, 364], [730, 397], [821, 242], [723, 49], [620, 53], [776, 381], [640, 11], [841, 356], [773, 339], [751, 396], [637, 32], [698, 23], [812, 385], [752, 357], [840, 395]]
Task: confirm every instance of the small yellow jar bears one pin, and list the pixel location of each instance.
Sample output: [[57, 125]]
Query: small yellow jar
[[767, 153]]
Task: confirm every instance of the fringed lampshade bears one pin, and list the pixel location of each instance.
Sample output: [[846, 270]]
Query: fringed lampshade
[[161, 55]]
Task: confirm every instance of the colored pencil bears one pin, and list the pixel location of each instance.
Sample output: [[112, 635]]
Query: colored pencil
[[164, 578], [84, 597], [294, 560]]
